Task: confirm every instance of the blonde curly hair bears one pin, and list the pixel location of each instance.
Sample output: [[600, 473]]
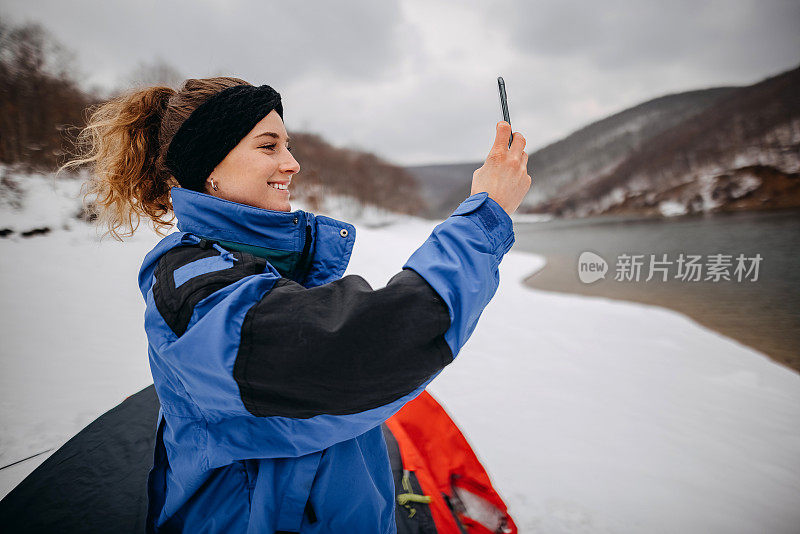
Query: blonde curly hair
[[124, 144]]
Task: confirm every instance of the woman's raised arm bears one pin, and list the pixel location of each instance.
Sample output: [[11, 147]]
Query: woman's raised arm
[[277, 369]]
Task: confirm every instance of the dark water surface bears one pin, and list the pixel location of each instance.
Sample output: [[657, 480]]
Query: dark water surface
[[763, 314]]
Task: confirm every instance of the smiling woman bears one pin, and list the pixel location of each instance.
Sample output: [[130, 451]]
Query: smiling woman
[[274, 373], [258, 161]]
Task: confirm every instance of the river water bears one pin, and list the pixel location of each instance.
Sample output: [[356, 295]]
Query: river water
[[761, 310]]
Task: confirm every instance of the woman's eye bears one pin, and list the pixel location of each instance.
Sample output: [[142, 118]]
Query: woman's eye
[[272, 147]]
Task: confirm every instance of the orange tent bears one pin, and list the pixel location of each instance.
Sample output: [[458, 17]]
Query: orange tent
[[454, 484]]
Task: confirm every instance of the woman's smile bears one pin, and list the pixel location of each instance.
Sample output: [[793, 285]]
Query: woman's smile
[[242, 174], [282, 187]]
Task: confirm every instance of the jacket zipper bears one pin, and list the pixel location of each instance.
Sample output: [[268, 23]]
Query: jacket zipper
[[301, 264]]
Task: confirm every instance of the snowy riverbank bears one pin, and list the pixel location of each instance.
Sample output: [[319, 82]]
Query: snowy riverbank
[[590, 415]]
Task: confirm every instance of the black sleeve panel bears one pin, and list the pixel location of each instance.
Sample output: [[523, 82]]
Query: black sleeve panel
[[176, 305], [340, 348]]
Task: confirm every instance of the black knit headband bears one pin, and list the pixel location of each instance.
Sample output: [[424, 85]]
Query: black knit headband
[[215, 128]]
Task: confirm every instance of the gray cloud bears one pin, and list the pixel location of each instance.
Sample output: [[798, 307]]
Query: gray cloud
[[723, 35], [258, 39], [414, 80]]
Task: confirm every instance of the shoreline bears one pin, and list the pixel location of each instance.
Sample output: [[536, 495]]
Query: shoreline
[[757, 330]]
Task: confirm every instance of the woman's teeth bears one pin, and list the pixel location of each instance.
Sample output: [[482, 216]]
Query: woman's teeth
[[279, 186]]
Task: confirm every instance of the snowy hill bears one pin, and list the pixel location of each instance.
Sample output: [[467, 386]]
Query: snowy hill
[[589, 152], [740, 152], [583, 155], [590, 415], [718, 149]]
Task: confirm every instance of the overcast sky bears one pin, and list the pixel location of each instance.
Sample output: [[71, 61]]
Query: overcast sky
[[415, 80]]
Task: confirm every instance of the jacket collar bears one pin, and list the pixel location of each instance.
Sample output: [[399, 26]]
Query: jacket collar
[[280, 236]]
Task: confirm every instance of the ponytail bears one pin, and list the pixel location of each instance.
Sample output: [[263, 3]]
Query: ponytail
[[124, 143]]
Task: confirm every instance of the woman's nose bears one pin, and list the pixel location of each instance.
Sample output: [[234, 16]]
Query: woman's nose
[[290, 164]]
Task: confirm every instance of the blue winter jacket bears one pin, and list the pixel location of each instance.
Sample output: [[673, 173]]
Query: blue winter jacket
[[275, 373]]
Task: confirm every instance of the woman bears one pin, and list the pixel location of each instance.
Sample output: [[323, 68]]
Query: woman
[[274, 373]]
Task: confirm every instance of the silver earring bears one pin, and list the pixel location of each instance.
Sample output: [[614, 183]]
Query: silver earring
[[213, 185]]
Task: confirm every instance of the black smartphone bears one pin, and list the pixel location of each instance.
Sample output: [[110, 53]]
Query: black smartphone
[[501, 86]]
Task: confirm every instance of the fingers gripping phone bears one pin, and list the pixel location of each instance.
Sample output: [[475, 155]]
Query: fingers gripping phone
[[501, 86]]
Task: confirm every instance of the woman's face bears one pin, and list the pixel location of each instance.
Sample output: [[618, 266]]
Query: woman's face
[[251, 171]]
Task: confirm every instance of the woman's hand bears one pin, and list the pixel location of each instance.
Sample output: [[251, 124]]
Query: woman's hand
[[504, 174]]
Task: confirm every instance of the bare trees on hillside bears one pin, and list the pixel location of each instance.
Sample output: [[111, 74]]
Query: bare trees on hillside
[[39, 99]]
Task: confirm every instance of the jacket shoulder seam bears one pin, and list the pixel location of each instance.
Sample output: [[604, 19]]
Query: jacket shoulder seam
[[176, 304]]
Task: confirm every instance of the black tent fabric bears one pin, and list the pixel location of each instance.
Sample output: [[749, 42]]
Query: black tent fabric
[[96, 482]]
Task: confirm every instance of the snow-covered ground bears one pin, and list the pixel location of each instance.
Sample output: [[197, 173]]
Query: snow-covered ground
[[591, 415]]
